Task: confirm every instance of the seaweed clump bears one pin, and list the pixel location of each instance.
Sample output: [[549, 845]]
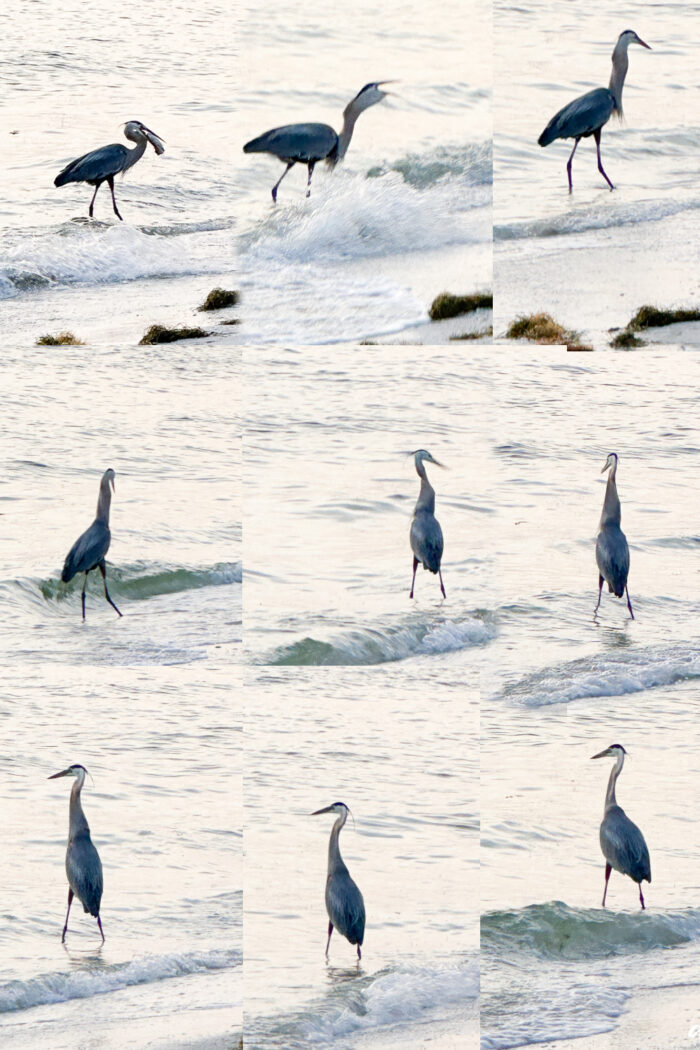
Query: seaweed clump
[[158, 333], [62, 339], [465, 336], [447, 305], [626, 339], [219, 299], [652, 317], [541, 328]]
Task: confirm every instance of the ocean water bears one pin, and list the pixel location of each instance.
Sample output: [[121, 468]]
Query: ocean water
[[584, 258], [561, 686], [366, 737], [331, 488], [165, 810]]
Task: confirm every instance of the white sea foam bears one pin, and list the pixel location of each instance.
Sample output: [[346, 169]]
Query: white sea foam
[[608, 674], [86, 982], [399, 997]]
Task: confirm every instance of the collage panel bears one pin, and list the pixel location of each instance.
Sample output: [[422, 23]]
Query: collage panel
[[154, 437], [613, 261], [144, 98], [334, 455], [400, 751], [152, 760], [598, 467], [371, 126]]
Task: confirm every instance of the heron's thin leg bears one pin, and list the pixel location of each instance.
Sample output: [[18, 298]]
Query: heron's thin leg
[[608, 869], [328, 942], [92, 202], [600, 592], [629, 606], [359, 953], [70, 901], [311, 166], [82, 596], [641, 897], [99, 923], [103, 570], [110, 182], [596, 136], [290, 164], [413, 581], [568, 163], [442, 585]]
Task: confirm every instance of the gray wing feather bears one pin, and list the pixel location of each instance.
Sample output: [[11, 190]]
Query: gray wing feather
[[346, 907], [623, 846], [612, 555], [84, 871], [94, 166], [426, 541], [297, 142], [580, 117], [88, 551]]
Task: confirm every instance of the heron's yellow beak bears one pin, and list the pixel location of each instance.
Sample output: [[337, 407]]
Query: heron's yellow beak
[[63, 773]]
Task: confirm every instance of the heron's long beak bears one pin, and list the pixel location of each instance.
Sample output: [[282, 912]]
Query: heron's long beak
[[640, 41], [602, 754], [63, 773], [155, 140], [606, 467], [381, 83], [326, 809]]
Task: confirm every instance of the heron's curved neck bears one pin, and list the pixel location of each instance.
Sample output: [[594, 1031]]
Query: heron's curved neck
[[77, 824], [335, 861], [620, 63], [350, 116], [610, 799], [103, 501], [612, 512], [426, 496], [136, 153]]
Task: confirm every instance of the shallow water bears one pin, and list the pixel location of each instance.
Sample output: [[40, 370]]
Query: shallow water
[[584, 258], [331, 492], [372, 742], [163, 805], [562, 686], [166, 420]]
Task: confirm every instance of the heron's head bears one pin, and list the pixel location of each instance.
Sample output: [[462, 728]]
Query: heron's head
[[422, 455], [368, 96], [336, 807], [108, 478], [614, 751], [630, 37], [76, 770], [135, 131], [611, 461]]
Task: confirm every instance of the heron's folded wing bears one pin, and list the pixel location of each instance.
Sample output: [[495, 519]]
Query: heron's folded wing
[[99, 164], [580, 117]]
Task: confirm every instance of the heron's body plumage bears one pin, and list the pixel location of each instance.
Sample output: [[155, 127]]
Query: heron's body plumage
[[96, 166], [297, 143], [580, 118]]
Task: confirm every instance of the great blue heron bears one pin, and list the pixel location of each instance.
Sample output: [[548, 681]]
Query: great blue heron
[[344, 903], [426, 535], [83, 864], [101, 165], [89, 550], [587, 114], [611, 550], [621, 841], [310, 143]]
